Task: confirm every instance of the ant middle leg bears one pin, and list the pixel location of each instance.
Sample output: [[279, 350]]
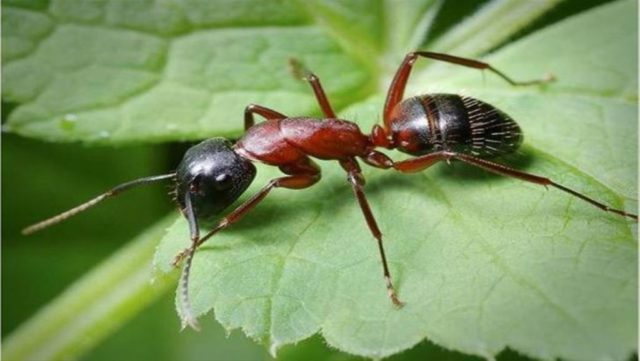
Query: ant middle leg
[[356, 179], [422, 162], [299, 70], [267, 113], [399, 82]]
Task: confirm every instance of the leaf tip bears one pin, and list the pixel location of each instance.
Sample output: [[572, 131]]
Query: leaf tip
[[189, 321], [273, 348]]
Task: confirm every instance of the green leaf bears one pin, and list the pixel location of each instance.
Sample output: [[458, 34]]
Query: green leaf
[[186, 70], [314, 349], [175, 74], [482, 262]]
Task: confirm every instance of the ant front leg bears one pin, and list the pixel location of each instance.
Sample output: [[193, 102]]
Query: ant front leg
[[422, 162], [399, 83], [267, 113], [354, 175], [304, 174], [298, 69]]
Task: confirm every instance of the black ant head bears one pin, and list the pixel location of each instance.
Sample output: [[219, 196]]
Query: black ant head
[[215, 175]]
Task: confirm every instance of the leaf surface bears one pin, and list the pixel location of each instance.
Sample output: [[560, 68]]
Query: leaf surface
[[184, 72], [482, 262]]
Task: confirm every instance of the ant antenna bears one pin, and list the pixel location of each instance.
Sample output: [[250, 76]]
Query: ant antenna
[[186, 313], [84, 206]]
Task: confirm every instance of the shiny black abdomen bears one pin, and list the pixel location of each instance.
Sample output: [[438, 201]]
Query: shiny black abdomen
[[436, 122]]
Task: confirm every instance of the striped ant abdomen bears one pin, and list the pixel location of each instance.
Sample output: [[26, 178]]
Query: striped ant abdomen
[[450, 122]]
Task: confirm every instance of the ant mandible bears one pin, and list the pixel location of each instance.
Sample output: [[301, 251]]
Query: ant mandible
[[430, 127]]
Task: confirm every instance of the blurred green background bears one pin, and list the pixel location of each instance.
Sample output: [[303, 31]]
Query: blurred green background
[[40, 179]]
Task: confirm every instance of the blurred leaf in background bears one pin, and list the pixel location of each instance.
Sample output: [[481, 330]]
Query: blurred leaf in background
[[125, 73]]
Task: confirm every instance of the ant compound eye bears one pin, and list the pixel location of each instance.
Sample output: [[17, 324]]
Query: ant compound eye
[[223, 181], [195, 186]]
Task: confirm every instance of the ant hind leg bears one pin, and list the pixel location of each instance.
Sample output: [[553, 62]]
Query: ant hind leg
[[399, 82], [422, 162], [510, 172]]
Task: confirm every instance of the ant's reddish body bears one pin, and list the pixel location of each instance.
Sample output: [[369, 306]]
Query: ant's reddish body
[[432, 127]]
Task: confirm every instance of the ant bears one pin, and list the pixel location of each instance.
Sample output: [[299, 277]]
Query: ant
[[431, 127]]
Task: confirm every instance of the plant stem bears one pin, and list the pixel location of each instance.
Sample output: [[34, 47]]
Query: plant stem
[[96, 305]]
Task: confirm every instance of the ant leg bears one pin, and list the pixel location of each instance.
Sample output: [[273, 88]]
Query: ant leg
[[378, 160], [302, 72], [399, 83], [267, 113], [420, 163], [425, 161], [510, 172], [308, 174], [471, 63], [303, 175], [292, 182], [357, 184]]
